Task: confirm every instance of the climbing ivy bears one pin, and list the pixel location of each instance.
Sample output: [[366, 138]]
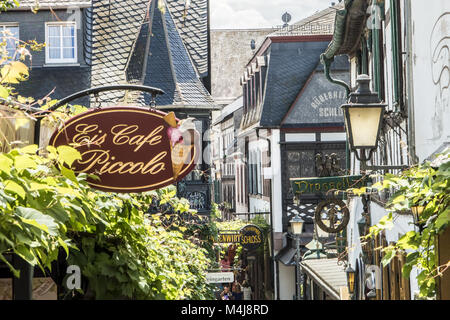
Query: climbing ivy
[[120, 249], [427, 186]]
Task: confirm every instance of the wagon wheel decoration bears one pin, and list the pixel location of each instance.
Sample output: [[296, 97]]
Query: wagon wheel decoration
[[332, 215]]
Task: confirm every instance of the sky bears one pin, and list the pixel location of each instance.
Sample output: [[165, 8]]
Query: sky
[[248, 14]]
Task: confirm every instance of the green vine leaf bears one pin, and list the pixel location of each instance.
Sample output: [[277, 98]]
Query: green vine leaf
[[15, 188], [38, 219], [68, 155]]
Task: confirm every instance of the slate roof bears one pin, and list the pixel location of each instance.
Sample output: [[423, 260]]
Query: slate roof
[[113, 29], [134, 42], [289, 67], [193, 28], [321, 22], [26, 4]]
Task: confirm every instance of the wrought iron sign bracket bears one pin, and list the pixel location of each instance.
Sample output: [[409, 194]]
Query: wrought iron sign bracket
[[377, 168], [96, 90]]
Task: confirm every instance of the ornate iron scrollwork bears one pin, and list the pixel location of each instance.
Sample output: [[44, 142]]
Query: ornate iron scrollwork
[[332, 215]]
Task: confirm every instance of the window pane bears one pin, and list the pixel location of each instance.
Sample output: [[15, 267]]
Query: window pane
[[68, 31], [54, 53], [68, 42], [11, 44], [69, 53], [54, 42], [11, 36], [54, 31], [10, 32], [11, 53]]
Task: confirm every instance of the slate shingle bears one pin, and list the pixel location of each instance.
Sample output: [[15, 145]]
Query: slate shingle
[[290, 66], [23, 4]]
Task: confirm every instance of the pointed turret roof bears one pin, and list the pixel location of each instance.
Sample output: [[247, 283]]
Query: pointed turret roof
[[139, 42]]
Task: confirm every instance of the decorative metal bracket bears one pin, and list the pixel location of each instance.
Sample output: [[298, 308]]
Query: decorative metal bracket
[[335, 211], [96, 90]]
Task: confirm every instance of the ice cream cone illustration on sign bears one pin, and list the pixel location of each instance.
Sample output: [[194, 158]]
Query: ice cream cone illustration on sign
[[181, 134]]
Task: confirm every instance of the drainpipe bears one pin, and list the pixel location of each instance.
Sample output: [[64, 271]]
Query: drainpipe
[[410, 84]]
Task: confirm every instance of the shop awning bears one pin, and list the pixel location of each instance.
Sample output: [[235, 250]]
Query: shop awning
[[327, 274]]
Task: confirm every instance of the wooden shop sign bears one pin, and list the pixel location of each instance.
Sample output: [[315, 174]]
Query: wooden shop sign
[[250, 237], [130, 149], [316, 185]]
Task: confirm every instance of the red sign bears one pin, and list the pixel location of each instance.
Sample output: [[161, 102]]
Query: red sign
[[130, 149]]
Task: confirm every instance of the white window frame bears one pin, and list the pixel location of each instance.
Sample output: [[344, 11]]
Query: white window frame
[[48, 60], [5, 25]]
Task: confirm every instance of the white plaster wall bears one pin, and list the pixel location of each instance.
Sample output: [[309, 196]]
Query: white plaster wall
[[287, 282], [275, 171], [431, 74], [259, 205]]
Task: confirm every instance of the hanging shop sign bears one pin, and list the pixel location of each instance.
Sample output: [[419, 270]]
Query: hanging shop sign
[[250, 237], [130, 149], [316, 185], [220, 277], [332, 215]]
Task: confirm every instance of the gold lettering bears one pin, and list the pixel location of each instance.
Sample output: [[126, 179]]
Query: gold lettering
[[122, 136], [84, 134], [98, 157], [111, 169], [154, 166], [138, 165]]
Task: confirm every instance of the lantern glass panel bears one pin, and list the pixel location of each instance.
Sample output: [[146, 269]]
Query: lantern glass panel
[[364, 123], [297, 227]]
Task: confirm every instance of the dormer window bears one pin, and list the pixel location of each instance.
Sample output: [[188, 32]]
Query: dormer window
[[61, 40]]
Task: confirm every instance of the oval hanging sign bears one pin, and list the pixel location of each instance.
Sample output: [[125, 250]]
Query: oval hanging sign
[[130, 149], [251, 237]]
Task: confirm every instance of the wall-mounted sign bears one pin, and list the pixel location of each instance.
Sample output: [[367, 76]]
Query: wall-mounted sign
[[220, 277], [130, 149], [250, 237], [315, 185]]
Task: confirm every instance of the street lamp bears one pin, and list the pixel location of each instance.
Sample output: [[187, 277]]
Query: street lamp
[[297, 228], [297, 225], [363, 114], [350, 280]]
